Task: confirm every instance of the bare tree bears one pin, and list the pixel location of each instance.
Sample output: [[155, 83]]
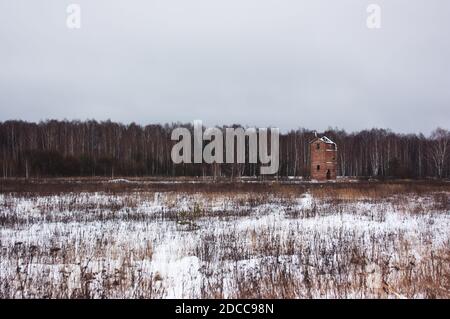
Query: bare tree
[[71, 148], [439, 149]]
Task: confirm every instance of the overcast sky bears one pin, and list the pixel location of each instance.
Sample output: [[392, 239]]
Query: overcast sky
[[283, 63]]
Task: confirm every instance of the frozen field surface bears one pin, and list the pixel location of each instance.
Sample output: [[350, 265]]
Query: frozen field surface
[[213, 245]]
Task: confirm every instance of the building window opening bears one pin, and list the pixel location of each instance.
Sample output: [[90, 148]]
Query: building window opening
[[318, 167]]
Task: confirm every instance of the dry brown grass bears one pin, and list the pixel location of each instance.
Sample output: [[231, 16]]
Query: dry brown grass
[[77, 245]]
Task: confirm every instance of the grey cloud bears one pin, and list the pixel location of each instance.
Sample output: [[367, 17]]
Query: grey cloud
[[284, 63]]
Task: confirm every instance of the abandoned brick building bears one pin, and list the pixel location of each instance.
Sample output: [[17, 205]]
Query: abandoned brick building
[[323, 159]]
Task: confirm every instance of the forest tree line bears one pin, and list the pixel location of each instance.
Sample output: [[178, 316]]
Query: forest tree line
[[91, 148]]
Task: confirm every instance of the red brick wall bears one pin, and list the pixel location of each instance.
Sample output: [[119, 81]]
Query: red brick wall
[[325, 157]]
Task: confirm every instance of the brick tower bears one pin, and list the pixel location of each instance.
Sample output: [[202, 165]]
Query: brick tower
[[323, 159]]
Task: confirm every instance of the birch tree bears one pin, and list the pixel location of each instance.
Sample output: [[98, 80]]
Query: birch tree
[[439, 150]]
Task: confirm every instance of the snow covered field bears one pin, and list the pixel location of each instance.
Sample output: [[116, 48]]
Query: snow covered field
[[210, 245]]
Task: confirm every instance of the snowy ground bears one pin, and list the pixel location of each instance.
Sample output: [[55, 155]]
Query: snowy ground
[[194, 245]]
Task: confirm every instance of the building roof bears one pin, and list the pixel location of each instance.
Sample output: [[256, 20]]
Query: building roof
[[323, 139]]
